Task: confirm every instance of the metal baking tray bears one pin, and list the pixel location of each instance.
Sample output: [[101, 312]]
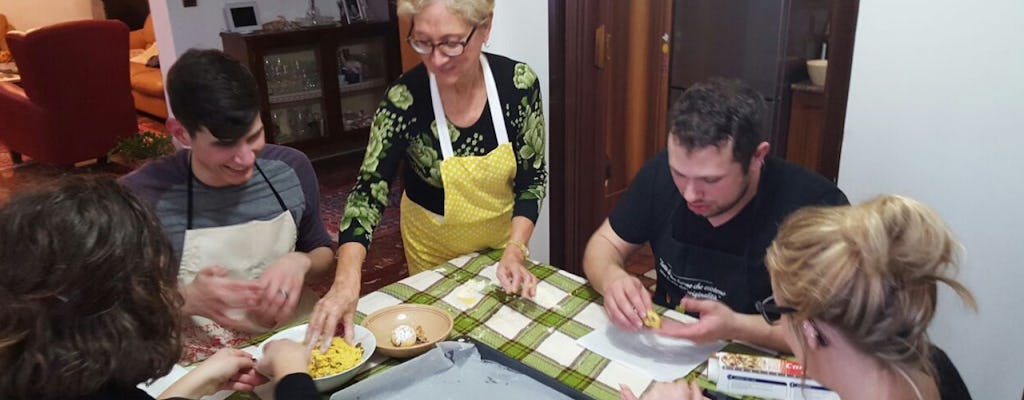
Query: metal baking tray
[[492, 354]]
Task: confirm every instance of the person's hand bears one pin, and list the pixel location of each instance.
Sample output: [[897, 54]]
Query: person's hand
[[213, 292], [513, 275], [680, 390], [245, 378], [227, 369], [283, 357], [716, 322], [339, 304], [282, 288], [626, 301]]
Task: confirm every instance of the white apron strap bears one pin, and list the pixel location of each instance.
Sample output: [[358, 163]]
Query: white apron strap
[[443, 135], [494, 103]]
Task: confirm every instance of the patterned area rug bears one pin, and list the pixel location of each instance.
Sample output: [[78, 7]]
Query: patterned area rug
[[29, 173], [385, 262]]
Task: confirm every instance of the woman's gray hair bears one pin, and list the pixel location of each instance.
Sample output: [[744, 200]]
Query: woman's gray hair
[[476, 12]]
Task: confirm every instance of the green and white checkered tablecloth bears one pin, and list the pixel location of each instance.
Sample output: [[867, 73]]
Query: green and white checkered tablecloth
[[541, 332]]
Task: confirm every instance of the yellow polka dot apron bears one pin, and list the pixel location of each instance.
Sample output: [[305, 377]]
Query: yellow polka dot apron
[[478, 195]]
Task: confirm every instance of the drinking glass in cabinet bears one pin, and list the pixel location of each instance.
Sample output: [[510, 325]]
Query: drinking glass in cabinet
[[293, 72]]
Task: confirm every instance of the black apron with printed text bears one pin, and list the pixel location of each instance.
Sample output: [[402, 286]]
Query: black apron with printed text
[[686, 269]]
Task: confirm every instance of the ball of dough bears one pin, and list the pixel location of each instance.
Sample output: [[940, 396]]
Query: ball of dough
[[403, 336], [652, 320]]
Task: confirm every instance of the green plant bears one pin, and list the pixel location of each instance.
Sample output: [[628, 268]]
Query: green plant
[[144, 146]]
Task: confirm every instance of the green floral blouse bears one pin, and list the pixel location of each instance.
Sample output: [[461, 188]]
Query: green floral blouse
[[404, 128]]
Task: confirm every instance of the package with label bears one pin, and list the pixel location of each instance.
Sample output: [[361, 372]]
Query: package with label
[[764, 377]]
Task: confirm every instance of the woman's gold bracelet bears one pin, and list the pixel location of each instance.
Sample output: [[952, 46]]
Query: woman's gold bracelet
[[522, 247]]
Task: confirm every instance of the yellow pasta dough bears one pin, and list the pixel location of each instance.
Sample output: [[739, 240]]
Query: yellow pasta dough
[[652, 320], [340, 357]]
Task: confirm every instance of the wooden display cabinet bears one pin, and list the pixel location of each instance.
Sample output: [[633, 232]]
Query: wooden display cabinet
[[319, 86], [808, 143]]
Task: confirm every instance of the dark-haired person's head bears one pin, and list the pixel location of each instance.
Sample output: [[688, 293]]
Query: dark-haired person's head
[[715, 147], [87, 291], [717, 113], [214, 98], [210, 90]]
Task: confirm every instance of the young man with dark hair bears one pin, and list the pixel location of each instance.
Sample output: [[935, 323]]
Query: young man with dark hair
[[709, 206], [243, 216]]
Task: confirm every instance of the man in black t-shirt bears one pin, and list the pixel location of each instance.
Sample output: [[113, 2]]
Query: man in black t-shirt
[[709, 206]]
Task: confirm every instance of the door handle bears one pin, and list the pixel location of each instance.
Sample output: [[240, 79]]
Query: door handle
[[607, 170], [601, 40]]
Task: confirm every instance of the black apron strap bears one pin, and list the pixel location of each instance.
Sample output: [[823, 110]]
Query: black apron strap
[[191, 177], [272, 189]]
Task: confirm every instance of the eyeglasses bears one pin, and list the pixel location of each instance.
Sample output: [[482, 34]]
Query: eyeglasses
[[450, 48], [772, 312]]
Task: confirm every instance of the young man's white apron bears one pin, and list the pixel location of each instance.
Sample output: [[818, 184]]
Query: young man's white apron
[[245, 250], [478, 195]]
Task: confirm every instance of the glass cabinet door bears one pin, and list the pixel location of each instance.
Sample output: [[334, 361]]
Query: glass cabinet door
[[294, 93], [292, 75], [296, 122], [362, 80]]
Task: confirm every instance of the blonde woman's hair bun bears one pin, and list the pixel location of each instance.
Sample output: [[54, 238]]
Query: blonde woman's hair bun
[[871, 270]]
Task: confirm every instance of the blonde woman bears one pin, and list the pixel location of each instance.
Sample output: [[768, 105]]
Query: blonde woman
[[469, 128], [855, 286]]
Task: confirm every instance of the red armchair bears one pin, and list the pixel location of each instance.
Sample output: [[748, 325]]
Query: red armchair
[[75, 100]]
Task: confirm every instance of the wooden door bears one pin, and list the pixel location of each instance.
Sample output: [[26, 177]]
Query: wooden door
[[609, 63]]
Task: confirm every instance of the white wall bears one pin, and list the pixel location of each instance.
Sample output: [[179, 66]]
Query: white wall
[[28, 14], [935, 112], [200, 26], [520, 32], [179, 28]]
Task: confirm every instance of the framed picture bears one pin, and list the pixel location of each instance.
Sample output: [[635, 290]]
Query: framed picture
[[368, 15], [352, 10], [242, 16]]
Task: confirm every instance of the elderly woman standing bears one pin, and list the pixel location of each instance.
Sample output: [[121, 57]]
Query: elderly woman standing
[[470, 128], [856, 286]]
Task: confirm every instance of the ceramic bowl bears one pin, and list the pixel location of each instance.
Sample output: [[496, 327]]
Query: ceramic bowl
[[816, 69], [436, 324]]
